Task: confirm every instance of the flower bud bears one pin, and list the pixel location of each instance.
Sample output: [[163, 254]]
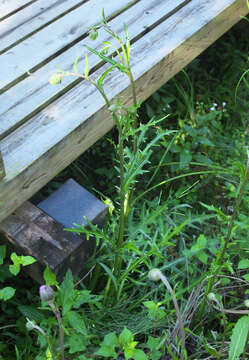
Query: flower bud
[[93, 34], [46, 293], [211, 297], [30, 325], [55, 79], [104, 50], [154, 274]]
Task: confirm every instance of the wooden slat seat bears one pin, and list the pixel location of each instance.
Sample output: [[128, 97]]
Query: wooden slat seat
[[44, 128]]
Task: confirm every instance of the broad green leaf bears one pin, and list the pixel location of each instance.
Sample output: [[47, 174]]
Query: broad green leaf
[[77, 343], [48, 354], [7, 293], [27, 260], [126, 337], [15, 258], [138, 354], [2, 253], [246, 277], [67, 293], [243, 264], [49, 277], [153, 344], [14, 269], [108, 346], [239, 338], [77, 322], [129, 349], [31, 313]]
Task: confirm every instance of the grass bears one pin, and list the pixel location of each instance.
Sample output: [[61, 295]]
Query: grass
[[182, 209]]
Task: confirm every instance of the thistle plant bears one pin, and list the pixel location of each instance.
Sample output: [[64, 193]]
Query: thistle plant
[[130, 158]]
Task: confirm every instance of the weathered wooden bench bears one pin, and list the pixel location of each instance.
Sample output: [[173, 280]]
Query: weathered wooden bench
[[44, 128]]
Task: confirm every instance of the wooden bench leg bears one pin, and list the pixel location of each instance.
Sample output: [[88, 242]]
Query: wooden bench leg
[[2, 169], [31, 231]]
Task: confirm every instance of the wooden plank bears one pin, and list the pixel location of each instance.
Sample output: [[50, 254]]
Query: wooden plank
[[32, 232], [32, 92], [43, 45], [10, 7], [2, 169], [156, 57], [23, 23]]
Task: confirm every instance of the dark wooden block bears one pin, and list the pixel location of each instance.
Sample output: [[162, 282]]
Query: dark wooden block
[[31, 231]]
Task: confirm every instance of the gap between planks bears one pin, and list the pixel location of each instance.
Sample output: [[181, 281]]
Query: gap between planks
[[12, 7]]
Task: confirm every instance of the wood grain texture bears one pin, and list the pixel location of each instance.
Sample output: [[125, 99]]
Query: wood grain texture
[[10, 7], [34, 91], [77, 119], [43, 45], [30, 19], [32, 232]]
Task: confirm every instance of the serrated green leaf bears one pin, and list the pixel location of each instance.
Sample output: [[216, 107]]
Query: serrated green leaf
[[239, 338], [7, 293], [103, 76], [243, 264], [107, 59], [77, 322], [110, 273]]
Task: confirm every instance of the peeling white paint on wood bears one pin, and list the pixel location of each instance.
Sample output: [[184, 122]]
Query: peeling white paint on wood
[[31, 18], [10, 6]]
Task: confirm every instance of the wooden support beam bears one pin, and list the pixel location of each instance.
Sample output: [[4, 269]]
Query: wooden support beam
[[30, 231], [39, 231]]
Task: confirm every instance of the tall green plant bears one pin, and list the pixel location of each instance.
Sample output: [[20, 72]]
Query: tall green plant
[[132, 155]]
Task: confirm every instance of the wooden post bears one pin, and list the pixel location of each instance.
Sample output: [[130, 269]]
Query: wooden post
[[2, 170]]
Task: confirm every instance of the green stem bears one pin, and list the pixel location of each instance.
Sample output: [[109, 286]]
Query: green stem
[[59, 320], [120, 240]]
